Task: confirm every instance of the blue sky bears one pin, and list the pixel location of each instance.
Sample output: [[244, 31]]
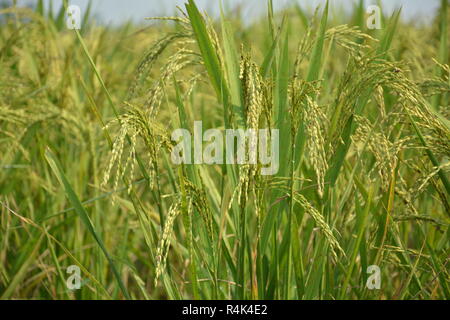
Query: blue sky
[[117, 11]]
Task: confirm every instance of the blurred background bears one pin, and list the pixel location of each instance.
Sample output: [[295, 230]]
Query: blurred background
[[118, 11]]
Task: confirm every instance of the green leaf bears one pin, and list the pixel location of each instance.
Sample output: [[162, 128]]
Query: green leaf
[[76, 203]]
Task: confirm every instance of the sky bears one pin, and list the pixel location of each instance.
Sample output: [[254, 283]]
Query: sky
[[118, 11]]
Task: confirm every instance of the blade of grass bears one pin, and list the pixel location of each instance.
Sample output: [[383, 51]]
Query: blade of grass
[[443, 53], [76, 203], [431, 155], [210, 57], [361, 227]]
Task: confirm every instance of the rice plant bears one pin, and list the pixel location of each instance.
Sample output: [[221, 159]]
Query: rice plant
[[87, 177]]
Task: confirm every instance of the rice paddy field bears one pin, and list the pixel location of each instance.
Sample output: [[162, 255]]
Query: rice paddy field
[[359, 207]]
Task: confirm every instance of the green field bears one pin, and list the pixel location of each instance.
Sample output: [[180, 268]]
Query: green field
[[87, 180]]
